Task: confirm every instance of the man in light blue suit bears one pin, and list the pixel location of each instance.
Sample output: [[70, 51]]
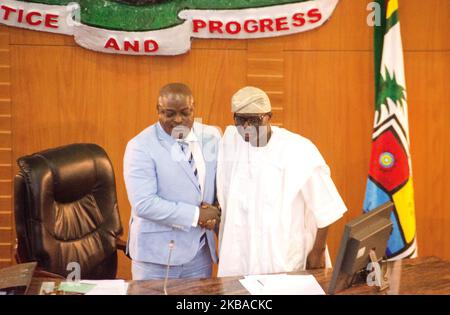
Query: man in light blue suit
[[170, 172]]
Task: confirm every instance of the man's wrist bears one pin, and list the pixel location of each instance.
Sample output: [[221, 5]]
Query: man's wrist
[[319, 249]]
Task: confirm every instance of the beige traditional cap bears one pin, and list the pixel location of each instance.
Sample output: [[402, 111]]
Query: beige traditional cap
[[250, 100]]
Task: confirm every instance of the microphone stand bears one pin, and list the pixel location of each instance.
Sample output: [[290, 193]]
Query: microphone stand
[[171, 246]]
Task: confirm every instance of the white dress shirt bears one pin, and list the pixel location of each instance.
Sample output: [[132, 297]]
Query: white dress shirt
[[196, 150]]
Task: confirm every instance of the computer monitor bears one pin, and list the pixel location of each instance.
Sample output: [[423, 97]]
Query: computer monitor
[[369, 231]]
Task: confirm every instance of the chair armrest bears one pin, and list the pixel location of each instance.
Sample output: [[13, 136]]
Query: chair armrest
[[39, 273], [121, 245]]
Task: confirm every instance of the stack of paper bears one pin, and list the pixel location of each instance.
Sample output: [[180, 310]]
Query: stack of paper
[[282, 285], [69, 287], [107, 287]]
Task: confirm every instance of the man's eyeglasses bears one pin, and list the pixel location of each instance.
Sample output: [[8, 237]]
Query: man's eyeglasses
[[254, 120]]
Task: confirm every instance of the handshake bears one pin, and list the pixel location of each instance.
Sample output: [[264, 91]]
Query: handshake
[[209, 216]]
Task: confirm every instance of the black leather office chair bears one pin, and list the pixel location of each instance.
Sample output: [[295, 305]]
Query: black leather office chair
[[66, 211]]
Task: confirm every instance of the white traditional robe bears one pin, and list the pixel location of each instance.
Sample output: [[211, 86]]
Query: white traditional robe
[[273, 199]]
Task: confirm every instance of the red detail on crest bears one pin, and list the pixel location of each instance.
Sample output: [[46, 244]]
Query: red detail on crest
[[282, 24], [148, 45], [197, 25], [262, 25], [50, 19], [112, 43], [32, 18], [315, 15], [214, 26], [251, 29], [390, 178], [298, 19], [233, 27]]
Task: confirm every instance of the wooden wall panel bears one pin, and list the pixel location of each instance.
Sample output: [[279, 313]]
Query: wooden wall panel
[[6, 223], [198, 43], [26, 37], [425, 28], [265, 69], [346, 30], [328, 101], [5, 218], [429, 110], [320, 82], [5, 104]]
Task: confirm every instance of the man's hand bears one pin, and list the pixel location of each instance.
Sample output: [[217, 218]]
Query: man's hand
[[316, 259], [210, 224], [209, 216]]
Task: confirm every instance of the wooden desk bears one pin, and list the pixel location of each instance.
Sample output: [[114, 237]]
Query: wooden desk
[[427, 275]]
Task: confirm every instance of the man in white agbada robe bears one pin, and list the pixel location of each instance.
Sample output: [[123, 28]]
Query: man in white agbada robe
[[275, 192]]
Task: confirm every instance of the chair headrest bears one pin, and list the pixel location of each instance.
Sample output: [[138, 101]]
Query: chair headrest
[[74, 169]]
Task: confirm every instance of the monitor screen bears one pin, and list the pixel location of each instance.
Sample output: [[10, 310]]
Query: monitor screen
[[369, 231]]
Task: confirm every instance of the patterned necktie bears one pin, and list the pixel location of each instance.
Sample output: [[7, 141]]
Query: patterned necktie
[[187, 151]]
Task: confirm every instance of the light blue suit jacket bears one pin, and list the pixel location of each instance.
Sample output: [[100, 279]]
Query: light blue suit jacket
[[163, 192]]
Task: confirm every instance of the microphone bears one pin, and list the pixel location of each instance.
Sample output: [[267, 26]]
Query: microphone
[[171, 246]]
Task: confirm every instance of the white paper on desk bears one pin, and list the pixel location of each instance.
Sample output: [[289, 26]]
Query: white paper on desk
[[282, 285], [253, 287], [107, 287], [255, 283]]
